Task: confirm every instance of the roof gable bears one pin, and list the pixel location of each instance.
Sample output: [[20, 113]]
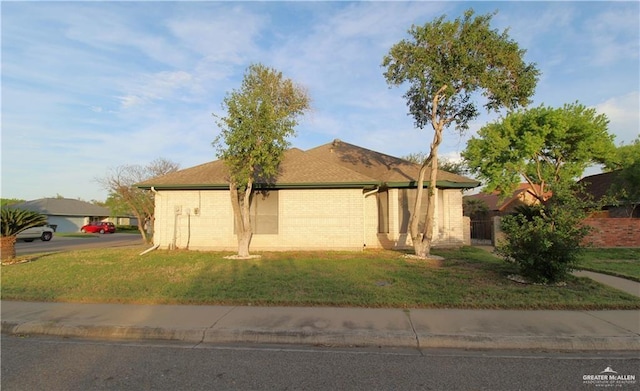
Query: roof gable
[[336, 164], [598, 185], [495, 203], [385, 168], [297, 169]]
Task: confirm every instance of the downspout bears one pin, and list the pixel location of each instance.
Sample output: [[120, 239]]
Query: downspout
[[364, 216], [152, 223]]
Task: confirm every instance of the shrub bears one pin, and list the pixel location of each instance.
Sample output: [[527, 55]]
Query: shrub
[[12, 222], [545, 241]]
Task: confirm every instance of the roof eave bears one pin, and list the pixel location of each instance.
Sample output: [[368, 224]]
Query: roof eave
[[439, 184], [225, 186], [313, 185]]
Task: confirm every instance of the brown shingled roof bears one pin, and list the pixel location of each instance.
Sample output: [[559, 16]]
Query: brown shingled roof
[[386, 168], [496, 203], [296, 169], [336, 164], [598, 185]]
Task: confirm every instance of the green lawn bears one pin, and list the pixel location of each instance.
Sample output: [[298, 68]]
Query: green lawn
[[622, 262], [468, 278]]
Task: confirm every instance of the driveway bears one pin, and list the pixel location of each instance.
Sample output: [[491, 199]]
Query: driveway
[[59, 244]]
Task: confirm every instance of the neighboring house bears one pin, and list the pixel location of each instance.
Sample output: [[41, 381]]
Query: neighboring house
[[337, 196], [601, 188], [497, 206], [617, 224], [483, 227], [67, 215]]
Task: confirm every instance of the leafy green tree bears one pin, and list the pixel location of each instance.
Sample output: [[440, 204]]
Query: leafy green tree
[[475, 209], [625, 156], [625, 190], [448, 165], [546, 146], [446, 63], [120, 183], [13, 222], [544, 241], [261, 115], [117, 206], [9, 201]]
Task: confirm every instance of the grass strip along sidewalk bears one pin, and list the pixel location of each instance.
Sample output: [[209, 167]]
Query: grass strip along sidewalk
[[467, 278], [620, 262]]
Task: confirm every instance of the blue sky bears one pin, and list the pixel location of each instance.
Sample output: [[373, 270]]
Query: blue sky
[[88, 86]]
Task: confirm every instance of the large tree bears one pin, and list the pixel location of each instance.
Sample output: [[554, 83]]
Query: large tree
[[120, 183], [261, 115], [547, 147], [446, 63]]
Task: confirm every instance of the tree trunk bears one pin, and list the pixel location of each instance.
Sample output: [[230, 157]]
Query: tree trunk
[[7, 247], [414, 221], [142, 227], [422, 240], [427, 238], [244, 241], [241, 203]]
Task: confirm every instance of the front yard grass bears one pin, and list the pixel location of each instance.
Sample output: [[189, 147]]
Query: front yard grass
[[467, 278], [621, 262]]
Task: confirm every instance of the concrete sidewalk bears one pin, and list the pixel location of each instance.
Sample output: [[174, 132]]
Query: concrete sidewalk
[[418, 328]]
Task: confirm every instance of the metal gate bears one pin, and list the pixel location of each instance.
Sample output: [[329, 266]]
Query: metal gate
[[482, 231]]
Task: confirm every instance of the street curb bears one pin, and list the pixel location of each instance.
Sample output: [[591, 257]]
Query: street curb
[[348, 339]]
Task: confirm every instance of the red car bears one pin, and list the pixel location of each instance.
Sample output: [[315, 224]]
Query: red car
[[98, 227]]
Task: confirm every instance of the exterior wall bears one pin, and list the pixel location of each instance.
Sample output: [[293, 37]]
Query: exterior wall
[[606, 232], [466, 227], [66, 223], [308, 219], [450, 228], [194, 220], [313, 219], [613, 232], [322, 219]]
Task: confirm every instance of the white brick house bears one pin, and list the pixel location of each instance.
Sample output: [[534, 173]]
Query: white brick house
[[337, 196]]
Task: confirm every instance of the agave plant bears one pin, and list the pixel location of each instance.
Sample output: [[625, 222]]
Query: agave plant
[[12, 222]]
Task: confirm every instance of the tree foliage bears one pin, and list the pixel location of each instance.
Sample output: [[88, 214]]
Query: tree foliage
[[475, 208], [9, 201], [120, 183], [445, 63], [546, 146], [260, 118], [545, 240], [12, 222], [15, 221], [448, 165], [625, 190]]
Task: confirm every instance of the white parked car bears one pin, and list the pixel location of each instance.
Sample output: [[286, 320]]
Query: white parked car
[[44, 233]]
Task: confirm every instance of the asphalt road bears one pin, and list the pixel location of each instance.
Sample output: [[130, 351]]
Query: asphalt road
[[38, 363], [59, 244]]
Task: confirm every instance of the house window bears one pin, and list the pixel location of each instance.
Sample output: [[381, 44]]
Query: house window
[[264, 212], [383, 212], [406, 202]]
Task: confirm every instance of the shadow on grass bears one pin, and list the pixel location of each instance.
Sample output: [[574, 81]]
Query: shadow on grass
[[467, 278]]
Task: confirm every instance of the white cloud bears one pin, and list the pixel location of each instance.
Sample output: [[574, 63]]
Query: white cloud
[[226, 37], [157, 86], [624, 116], [613, 35], [135, 80]]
